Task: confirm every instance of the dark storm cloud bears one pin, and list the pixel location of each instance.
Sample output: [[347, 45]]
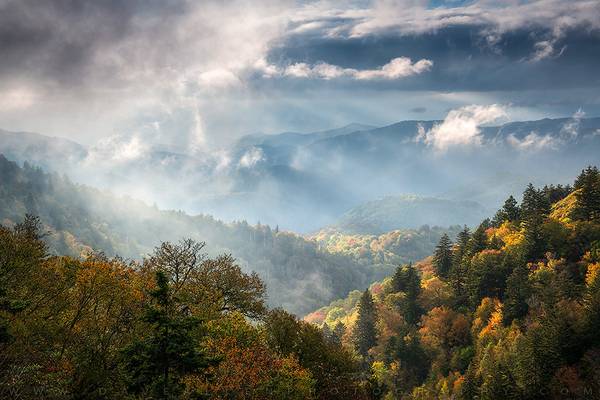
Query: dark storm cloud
[[61, 41], [462, 59]]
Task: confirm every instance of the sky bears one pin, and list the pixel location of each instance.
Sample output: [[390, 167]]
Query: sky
[[197, 75]]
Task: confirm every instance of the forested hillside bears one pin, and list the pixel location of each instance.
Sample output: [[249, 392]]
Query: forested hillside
[[298, 274], [178, 325], [409, 212], [390, 248], [510, 310]]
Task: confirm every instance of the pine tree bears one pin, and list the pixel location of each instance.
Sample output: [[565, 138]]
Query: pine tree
[[534, 209], [406, 279], [442, 259], [460, 265], [516, 295], [157, 363], [509, 211], [478, 241], [365, 333], [588, 196]]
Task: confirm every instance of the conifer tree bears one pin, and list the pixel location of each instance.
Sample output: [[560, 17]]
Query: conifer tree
[[534, 209], [407, 280], [588, 196], [442, 259], [478, 241], [516, 295], [365, 333], [460, 265], [508, 212], [157, 363]]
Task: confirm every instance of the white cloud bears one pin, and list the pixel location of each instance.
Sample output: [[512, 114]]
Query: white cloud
[[397, 68], [533, 141], [219, 78], [571, 127], [461, 127], [117, 148], [251, 157]]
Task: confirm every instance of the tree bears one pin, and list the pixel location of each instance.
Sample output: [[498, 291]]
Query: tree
[[332, 367], [157, 363], [516, 295], [486, 276], [442, 258], [206, 284], [508, 212], [460, 265], [478, 241], [406, 279], [365, 333], [588, 194], [534, 209]]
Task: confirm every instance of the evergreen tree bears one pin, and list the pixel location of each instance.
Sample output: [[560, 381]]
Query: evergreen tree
[[508, 212], [365, 333], [460, 265], [591, 302], [588, 196], [442, 259], [407, 280], [156, 364], [478, 241], [534, 209], [556, 193], [516, 295]]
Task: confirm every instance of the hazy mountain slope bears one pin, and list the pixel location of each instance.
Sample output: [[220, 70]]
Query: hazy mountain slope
[[299, 276], [409, 211], [306, 181]]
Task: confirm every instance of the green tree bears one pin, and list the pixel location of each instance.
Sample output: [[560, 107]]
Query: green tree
[[157, 363], [332, 367], [442, 258], [460, 263], [534, 209], [365, 332], [517, 292], [588, 194], [406, 279], [509, 212], [478, 241]]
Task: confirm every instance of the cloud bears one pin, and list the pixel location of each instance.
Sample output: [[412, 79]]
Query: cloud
[[397, 68], [416, 17], [461, 127], [218, 79], [117, 148], [533, 141], [571, 127], [251, 157]]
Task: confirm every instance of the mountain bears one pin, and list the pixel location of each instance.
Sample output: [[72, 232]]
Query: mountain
[[79, 219], [409, 211], [508, 310], [303, 182]]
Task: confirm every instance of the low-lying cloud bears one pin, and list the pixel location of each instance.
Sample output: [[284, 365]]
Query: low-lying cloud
[[461, 127], [533, 141]]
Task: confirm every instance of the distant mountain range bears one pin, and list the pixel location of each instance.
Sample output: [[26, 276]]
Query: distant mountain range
[[304, 181]]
